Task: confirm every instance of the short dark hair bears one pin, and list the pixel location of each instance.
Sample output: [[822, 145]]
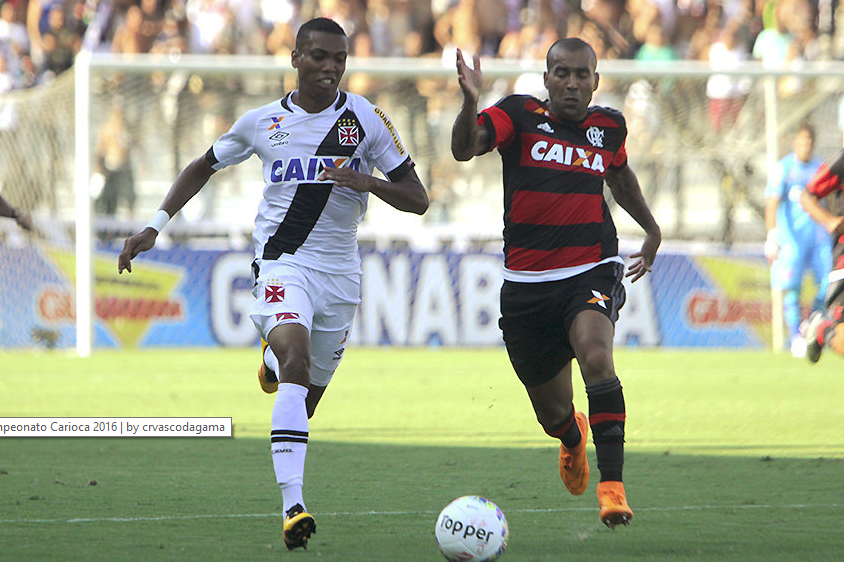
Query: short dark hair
[[322, 25], [807, 126], [571, 44]]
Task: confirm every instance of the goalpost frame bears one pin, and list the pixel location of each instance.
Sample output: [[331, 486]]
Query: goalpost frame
[[84, 225], [87, 61]]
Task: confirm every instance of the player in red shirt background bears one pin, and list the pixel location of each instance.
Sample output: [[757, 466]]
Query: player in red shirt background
[[822, 199]]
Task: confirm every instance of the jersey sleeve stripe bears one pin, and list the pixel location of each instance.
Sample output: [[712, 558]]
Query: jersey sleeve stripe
[[501, 124], [211, 158], [536, 207], [401, 170], [823, 182], [620, 159]]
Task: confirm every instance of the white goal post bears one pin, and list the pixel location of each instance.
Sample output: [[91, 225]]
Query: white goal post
[[675, 142]]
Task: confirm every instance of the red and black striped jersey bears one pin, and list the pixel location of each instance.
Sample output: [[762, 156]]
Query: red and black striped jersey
[[829, 177], [828, 182], [556, 222]]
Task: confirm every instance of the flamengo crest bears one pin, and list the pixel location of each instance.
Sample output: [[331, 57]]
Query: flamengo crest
[[595, 136]]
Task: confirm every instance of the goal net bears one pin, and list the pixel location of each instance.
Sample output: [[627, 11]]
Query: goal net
[[702, 163]]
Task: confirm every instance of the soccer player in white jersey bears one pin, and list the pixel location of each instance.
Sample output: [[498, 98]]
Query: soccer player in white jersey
[[318, 146]]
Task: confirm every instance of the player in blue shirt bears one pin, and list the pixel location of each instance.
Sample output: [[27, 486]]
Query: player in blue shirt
[[795, 244]]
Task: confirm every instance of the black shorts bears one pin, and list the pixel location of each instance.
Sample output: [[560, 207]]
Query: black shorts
[[536, 317]]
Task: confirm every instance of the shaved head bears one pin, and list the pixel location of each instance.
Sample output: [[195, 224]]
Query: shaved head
[[571, 44]]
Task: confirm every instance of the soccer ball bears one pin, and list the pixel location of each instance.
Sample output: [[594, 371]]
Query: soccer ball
[[472, 529]]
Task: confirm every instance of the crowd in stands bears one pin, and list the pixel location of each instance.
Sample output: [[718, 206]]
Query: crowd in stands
[[39, 38]]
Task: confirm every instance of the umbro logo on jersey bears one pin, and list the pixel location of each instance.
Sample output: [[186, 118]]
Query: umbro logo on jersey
[[309, 169], [567, 155], [595, 136], [599, 299], [545, 127], [279, 138]]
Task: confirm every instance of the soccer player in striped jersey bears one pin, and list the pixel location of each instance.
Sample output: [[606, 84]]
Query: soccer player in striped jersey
[[318, 146], [562, 271], [825, 328]]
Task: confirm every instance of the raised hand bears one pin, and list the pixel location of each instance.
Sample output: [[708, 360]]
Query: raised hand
[[471, 79]]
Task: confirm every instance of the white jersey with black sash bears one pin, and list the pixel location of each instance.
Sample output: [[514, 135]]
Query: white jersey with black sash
[[300, 219]]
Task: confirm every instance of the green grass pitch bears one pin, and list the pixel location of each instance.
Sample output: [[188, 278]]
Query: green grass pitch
[[731, 457]]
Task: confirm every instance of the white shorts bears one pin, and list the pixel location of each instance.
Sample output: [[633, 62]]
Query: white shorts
[[324, 303]]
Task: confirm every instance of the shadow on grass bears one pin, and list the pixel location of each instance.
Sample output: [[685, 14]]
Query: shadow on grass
[[215, 499]]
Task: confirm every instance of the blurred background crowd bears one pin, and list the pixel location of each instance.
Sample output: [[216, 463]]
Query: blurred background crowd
[[39, 38], [699, 151]]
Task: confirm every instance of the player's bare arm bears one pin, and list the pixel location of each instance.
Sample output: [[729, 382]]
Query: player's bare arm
[[467, 138], [187, 184], [771, 246], [625, 189], [821, 215], [408, 194]]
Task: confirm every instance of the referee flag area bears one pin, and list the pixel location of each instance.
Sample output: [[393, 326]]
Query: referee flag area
[[732, 456]]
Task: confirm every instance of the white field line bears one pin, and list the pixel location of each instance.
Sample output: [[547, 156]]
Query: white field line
[[398, 513]]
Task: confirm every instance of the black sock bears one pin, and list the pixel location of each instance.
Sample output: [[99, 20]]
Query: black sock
[[567, 432], [606, 418]]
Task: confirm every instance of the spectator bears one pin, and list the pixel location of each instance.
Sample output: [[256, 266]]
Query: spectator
[[726, 94], [128, 38], [13, 32], [37, 21], [706, 33], [78, 17], [170, 39], [776, 48], [656, 46], [386, 28], [7, 81], [152, 21], [207, 19], [349, 14], [458, 28], [59, 44], [29, 75], [229, 39], [112, 157], [280, 41], [690, 14]]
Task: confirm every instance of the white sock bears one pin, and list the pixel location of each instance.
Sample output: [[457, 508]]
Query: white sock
[[271, 360], [290, 442]]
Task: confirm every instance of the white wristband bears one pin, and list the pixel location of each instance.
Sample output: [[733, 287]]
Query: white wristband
[[772, 236], [159, 219]]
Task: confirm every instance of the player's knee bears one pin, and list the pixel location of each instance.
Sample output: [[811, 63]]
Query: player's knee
[[596, 365], [295, 367]]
